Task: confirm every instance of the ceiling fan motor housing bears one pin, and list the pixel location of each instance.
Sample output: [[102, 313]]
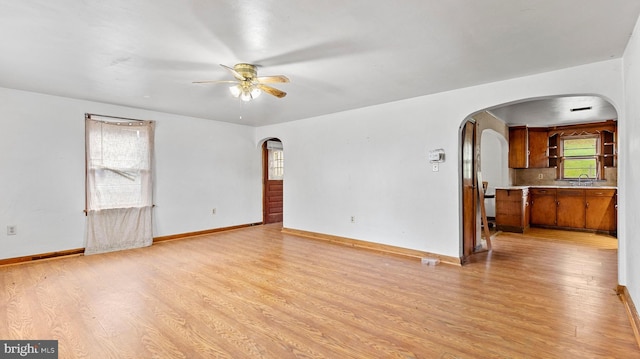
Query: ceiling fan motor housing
[[248, 71]]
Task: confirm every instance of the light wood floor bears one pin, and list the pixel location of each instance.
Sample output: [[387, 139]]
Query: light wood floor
[[256, 293]]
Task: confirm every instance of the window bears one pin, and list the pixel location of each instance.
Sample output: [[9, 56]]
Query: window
[[118, 183], [118, 164], [276, 160], [580, 157]]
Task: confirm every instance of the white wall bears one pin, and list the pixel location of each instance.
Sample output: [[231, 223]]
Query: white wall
[[371, 162], [629, 176], [494, 163], [200, 164]]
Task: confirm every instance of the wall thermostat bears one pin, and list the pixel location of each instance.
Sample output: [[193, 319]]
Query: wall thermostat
[[436, 156]]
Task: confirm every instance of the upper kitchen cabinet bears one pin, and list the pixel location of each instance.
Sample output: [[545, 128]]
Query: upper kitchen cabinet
[[528, 147], [538, 145], [518, 147], [542, 147]]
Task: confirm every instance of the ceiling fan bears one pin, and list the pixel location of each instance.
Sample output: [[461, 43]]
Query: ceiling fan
[[247, 83]]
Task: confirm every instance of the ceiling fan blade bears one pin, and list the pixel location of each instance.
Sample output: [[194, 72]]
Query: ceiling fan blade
[[235, 73], [272, 91], [272, 79], [216, 82]]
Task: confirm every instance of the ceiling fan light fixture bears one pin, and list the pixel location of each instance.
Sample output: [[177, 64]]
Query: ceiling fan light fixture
[[255, 92], [245, 96], [248, 85], [235, 90]]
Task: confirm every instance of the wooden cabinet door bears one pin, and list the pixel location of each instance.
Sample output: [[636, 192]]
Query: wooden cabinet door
[[571, 208], [543, 206], [601, 210], [518, 147], [538, 144], [510, 210]]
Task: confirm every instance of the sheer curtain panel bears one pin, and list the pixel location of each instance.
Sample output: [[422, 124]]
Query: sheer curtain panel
[[119, 157]]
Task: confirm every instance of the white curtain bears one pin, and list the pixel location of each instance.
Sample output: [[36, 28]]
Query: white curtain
[[119, 184]]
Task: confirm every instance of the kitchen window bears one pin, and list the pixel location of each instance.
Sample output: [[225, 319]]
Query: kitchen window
[[580, 157]]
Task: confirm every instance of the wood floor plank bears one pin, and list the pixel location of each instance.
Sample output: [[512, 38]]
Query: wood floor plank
[[258, 293]]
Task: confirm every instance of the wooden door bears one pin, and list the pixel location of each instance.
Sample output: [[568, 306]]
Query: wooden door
[[273, 185], [543, 206], [571, 208], [469, 194]]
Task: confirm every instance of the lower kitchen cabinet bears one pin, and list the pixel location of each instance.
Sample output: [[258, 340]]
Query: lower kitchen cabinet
[[512, 210], [601, 210], [543, 206], [571, 208], [592, 209]]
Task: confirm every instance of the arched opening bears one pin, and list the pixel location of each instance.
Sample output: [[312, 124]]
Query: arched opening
[[272, 181], [484, 139], [482, 136], [494, 152]]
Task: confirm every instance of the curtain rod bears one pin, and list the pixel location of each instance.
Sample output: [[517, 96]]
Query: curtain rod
[[88, 115]]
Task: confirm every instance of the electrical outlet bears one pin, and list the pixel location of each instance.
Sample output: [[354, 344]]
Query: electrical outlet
[[353, 219], [12, 230], [213, 211], [540, 176], [434, 167]]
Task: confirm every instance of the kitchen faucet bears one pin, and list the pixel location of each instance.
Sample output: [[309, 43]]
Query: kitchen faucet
[[580, 179]]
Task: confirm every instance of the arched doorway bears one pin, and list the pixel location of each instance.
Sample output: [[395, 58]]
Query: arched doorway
[[548, 112], [272, 181], [477, 129]]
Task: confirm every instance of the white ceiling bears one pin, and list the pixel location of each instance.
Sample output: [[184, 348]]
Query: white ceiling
[[557, 111], [339, 55]]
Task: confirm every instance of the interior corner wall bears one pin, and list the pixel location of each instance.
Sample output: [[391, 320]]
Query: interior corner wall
[[494, 154], [493, 163], [199, 165], [371, 163], [629, 175]]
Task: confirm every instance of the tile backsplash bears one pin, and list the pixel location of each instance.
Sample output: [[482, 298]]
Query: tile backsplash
[[531, 177]]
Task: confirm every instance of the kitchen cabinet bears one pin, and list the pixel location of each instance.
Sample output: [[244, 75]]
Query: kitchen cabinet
[[601, 210], [608, 140], [512, 209], [528, 147], [570, 208], [518, 147], [543, 206], [590, 209], [553, 150], [538, 145]]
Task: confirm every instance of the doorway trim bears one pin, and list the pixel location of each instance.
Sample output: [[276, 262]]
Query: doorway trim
[[272, 190]]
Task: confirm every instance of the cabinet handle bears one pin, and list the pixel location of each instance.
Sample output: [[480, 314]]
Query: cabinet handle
[[587, 204]]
